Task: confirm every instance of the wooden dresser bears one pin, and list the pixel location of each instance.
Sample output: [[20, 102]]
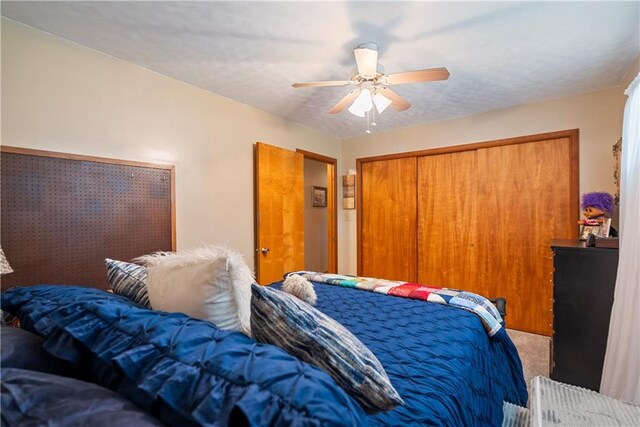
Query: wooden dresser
[[584, 281]]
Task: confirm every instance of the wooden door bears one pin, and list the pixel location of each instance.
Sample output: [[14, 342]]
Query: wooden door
[[447, 221], [387, 210], [279, 188], [524, 200], [486, 215]]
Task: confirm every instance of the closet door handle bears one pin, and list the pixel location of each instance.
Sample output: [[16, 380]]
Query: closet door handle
[[264, 251]]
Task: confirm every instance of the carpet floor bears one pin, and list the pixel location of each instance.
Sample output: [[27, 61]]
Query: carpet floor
[[534, 352]]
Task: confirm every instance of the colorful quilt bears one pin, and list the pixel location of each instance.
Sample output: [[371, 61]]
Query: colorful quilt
[[482, 307]]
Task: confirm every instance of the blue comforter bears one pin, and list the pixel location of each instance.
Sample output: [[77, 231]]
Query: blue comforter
[[183, 371], [438, 358]]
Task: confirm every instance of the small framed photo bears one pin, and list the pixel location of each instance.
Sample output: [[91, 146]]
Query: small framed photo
[[348, 180], [585, 230], [349, 203], [349, 191], [319, 197], [600, 230]]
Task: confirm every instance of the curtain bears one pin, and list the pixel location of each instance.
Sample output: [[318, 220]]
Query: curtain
[[621, 373]]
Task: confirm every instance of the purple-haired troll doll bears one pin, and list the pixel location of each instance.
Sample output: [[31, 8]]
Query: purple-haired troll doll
[[596, 208]]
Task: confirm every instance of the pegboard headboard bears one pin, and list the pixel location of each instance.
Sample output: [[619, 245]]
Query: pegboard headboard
[[63, 214]]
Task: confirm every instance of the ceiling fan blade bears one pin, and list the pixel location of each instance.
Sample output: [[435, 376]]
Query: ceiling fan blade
[[367, 61], [345, 102], [428, 75], [323, 84], [397, 102]]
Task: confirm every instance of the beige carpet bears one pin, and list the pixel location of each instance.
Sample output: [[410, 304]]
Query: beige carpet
[[534, 353]]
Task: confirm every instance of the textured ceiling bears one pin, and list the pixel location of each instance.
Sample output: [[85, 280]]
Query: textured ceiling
[[499, 54]]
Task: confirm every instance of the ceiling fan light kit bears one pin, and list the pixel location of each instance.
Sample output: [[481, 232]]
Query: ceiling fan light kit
[[372, 85], [381, 102], [362, 104]]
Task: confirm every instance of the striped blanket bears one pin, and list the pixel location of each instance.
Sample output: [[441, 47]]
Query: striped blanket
[[482, 307]]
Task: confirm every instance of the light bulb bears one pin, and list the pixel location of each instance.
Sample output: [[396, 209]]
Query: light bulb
[[362, 103], [356, 112], [381, 101]]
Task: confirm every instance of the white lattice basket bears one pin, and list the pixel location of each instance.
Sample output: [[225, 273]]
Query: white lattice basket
[[557, 404]]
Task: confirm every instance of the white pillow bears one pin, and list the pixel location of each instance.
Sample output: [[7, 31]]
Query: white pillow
[[209, 283]]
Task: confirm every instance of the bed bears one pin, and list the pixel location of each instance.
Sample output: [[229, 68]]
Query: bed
[[439, 358]]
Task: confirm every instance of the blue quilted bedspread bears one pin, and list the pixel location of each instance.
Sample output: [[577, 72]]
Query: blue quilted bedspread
[[438, 358]]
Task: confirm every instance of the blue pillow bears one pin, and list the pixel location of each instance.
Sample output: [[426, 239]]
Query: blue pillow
[[129, 280], [281, 319], [35, 398], [184, 371]]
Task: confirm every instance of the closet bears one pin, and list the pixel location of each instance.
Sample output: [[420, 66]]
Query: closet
[[388, 223], [477, 217]]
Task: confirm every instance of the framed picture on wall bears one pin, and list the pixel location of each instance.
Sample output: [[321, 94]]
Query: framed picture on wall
[[319, 197]]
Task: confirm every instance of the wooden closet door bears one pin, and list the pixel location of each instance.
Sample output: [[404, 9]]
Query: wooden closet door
[[448, 221], [524, 200], [387, 243]]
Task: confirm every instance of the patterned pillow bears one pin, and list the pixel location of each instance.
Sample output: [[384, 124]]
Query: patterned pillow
[[293, 325], [128, 280]]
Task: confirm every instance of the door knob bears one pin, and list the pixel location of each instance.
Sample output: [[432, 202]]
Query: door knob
[[264, 251]]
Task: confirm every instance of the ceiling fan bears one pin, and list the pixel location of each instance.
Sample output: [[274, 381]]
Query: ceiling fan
[[372, 84]]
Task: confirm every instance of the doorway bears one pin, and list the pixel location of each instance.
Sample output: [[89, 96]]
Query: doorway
[[280, 210], [320, 213], [316, 218]]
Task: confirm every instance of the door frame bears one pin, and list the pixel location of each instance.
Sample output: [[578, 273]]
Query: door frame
[[332, 206], [572, 134]]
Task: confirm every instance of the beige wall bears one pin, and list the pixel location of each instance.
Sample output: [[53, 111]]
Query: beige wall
[[315, 218], [597, 115], [60, 96]]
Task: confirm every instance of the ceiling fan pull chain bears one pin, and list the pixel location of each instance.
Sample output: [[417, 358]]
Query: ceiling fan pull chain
[[368, 131], [373, 117]]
